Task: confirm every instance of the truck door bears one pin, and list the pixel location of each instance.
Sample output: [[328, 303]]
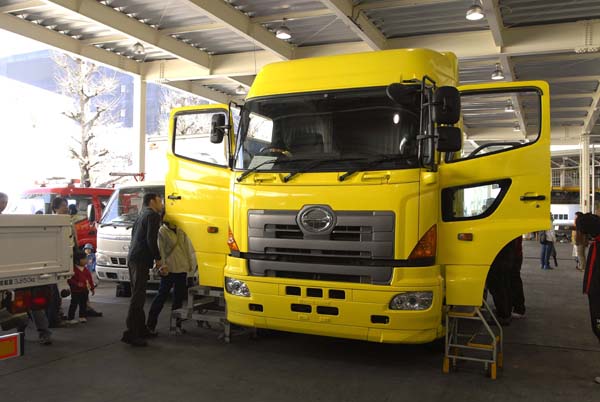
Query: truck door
[[197, 185], [498, 187]]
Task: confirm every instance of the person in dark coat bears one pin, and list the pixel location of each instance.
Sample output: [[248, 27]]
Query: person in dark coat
[[498, 283], [143, 254], [590, 224], [516, 284]]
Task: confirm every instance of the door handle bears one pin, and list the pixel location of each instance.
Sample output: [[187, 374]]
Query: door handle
[[264, 178], [375, 176], [533, 198], [174, 197]]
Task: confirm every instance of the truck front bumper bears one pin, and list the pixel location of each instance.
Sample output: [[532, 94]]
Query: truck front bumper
[[337, 309], [119, 274]]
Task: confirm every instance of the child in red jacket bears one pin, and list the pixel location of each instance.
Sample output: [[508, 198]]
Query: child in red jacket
[[81, 283]]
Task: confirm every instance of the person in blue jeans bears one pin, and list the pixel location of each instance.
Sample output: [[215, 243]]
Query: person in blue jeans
[[547, 238], [179, 260]]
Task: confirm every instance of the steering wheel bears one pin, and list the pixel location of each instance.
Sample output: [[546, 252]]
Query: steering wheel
[[494, 144], [275, 151]]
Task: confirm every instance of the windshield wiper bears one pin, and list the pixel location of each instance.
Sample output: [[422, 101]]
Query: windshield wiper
[[273, 161], [310, 166], [370, 164]]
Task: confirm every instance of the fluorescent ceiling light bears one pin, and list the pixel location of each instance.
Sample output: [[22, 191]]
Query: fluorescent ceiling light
[[283, 32], [475, 13], [498, 74]]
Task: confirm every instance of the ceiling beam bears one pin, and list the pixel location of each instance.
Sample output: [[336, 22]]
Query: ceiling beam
[[580, 78], [241, 24], [215, 25], [245, 81], [22, 6], [358, 22], [168, 31], [197, 89], [494, 19], [211, 26], [385, 4], [574, 96], [594, 111], [106, 39], [120, 22], [571, 109], [291, 15], [67, 44], [238, 64], [521, 41]]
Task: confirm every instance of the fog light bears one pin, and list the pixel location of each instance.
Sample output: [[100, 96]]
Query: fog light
[[412, 301], [236, 287]]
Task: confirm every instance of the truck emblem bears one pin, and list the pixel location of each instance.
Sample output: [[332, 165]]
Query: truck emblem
[[316, 220]]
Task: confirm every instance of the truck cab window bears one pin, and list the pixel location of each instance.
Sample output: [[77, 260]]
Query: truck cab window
[[338, 127], [192, 138], [498, 121]]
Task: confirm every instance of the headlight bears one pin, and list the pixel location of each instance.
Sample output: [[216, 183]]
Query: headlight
[[412, 301], [102, 259], [236, 287]]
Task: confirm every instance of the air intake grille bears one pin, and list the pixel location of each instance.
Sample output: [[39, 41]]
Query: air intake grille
[[118, 261], [357, 234]]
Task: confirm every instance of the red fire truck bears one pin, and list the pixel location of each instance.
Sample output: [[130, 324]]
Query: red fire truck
[[39, 201]]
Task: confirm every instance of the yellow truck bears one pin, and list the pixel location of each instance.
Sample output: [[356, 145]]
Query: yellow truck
[[357, 196]]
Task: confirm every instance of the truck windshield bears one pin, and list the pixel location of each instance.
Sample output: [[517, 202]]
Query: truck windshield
[[125, 204], [341, 129]]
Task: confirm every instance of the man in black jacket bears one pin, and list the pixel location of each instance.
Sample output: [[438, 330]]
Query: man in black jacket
[[590, 224], [143, 254]]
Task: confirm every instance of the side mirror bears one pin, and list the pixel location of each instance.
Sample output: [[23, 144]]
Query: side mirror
[[217, 131], [449, 139], [402, 94], [91, 213], [446, 105]]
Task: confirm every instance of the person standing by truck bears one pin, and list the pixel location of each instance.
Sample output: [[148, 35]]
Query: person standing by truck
[[81, 284], [589, 224], [178, 258], [143, 252], [580, 241]]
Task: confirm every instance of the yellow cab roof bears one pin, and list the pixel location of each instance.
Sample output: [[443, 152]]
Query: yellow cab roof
[[358, 70]]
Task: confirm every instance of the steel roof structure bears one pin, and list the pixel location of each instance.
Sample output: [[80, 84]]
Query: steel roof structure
[[211, 47]]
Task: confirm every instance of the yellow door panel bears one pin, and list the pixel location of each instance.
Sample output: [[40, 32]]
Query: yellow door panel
[[499, 186], [197, 187]]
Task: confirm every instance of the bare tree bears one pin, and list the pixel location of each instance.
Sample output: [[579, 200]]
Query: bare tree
[[171, 99], [95, 96]]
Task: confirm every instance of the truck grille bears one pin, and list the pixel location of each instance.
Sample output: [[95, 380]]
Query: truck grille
[[357, 234], [118, 261]]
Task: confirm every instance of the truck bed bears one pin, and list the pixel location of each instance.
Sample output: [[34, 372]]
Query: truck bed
[[34, 250]]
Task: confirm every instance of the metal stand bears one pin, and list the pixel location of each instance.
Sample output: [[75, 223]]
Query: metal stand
[[205, 306], [479, 343]]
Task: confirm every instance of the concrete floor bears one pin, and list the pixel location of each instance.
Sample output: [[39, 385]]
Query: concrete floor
[[549, 356]]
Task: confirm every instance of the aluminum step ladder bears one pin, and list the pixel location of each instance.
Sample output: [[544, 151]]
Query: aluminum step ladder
[[205, 305], [474, 339]]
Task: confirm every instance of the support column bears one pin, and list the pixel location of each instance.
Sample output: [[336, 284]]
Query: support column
[[563, 174], [584, 172], [139, 120], [593, 181]]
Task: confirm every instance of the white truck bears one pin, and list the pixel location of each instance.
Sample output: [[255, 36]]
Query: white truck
[[35, 252], [114, 234]]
